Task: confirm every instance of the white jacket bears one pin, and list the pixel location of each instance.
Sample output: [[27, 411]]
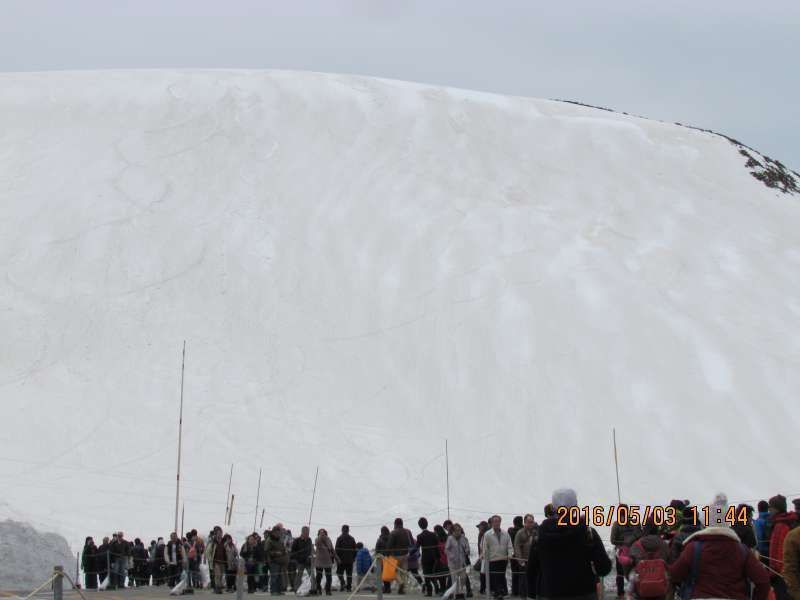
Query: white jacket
[[497, 546]]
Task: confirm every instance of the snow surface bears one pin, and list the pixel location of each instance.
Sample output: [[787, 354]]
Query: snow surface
[[27, 556], [363, 268]]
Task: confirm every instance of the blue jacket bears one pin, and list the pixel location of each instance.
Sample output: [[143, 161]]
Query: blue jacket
[[762, 527], [363, 561]]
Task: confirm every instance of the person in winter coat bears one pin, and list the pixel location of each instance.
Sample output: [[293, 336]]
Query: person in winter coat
[[483, 527], [399, 544], [278, 559], [89, 564], [217, 559], [715, 564], [782, 522], [565, 560], [522, 548], [346, 555], [650, 547], [248, 553], [159, 570], [745, 530], [791, 562], [174, 559], [763, 529], [324, 562], [623, 537], [457, 550], [231, 562], [141, 562], [413, 562], [442, 570], [124, 560], [497, 551], [363, 563], [303, 555], [382, 547], [429, 552], [516, 572]]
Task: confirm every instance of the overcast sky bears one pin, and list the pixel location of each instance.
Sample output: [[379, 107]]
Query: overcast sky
[[728, 65]]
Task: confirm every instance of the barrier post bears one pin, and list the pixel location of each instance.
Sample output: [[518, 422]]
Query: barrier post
[[58, 583], [379, 576], [240, 579]]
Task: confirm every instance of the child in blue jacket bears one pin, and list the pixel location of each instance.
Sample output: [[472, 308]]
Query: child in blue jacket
[[363, 563]]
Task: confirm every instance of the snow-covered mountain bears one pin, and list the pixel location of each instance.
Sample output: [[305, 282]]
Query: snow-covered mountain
[[363, 268]]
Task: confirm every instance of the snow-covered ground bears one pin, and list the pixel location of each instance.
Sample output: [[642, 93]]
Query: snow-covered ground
[[362, 268], [27, 556]]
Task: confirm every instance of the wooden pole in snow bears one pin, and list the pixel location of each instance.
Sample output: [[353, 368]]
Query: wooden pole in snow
[[447, 476], [228, 497], [180, 438], [258, 497], [313, 497]]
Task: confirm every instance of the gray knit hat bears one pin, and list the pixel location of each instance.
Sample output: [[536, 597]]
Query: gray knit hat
[[564, 497]]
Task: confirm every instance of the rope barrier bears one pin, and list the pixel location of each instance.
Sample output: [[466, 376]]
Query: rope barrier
[[34, 592], [75, 586]]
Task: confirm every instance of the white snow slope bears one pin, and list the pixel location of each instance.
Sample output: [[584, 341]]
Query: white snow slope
[[362, 268]]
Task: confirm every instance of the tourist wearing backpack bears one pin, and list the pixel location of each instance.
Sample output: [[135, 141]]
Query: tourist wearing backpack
[[649, 555], [623, 537], [782, 523], [791, 562], [566, 560], [715, 564]]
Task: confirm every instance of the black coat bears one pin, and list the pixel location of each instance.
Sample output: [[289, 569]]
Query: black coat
[[399, 542], [301, 551], [101, 559], [566, 560], [90, 559], [346, 549], [746, 534], [428, 543]]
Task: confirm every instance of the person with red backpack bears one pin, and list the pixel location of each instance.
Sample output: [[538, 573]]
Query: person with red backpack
[[715, 564], [782, 523], [649, 554], [623, 537]]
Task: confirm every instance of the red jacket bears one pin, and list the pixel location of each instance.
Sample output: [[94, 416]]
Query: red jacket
[[724, 568], [781, 524]]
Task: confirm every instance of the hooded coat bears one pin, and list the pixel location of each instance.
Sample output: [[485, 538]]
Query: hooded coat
[[724, 569]]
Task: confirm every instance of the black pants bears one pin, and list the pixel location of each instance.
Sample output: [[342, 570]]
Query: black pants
[[230, 579], [250, 569], [497, 577], [345, 574], [292, 571], [327, 571], [779, 587], [620, 578], [483, 583], [174, 573], [91, 581], [428, 570], [517, 575]]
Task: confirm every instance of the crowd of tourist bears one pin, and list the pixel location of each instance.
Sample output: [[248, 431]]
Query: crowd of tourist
[[749, 556]]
